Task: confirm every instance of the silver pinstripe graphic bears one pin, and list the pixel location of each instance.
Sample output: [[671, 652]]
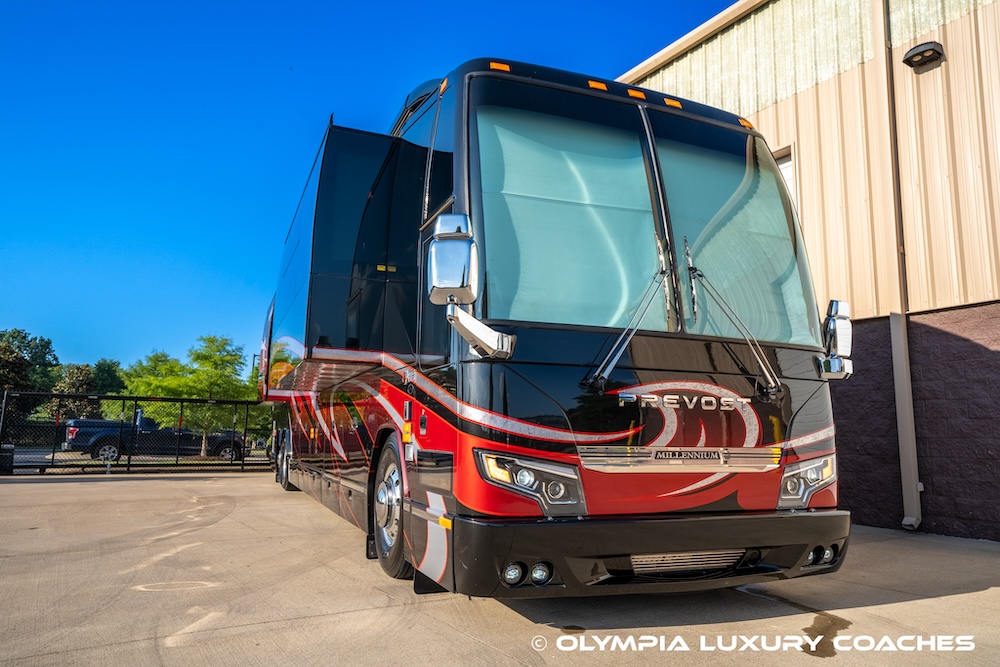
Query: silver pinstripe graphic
[[468, 412]]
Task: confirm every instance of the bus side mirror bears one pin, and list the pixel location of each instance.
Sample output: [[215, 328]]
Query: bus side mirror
[[452, 261], [838, 337]]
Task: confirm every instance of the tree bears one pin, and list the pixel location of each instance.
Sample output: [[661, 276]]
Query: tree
[[158, 374], [38, 352], [213, 370], [76, 380], [15, 371], [15, 375], [216, 366], [108, 377]]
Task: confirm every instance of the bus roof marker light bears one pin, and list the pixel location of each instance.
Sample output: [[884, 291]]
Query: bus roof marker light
[[597, 85], [672, 103], [745, 123], [444, 85], [638, 94], [502, 67]]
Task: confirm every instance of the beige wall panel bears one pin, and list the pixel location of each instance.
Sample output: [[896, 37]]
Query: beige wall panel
[[856, 164], [989, 41], [909, 18], [976, 252], [841, 153], [948, 165], [828, 138]]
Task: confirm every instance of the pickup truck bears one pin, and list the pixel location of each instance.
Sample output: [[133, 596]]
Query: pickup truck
[[109, 440]]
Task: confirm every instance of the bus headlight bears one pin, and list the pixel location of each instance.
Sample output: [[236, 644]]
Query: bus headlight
[[555, 486], [801, 480]]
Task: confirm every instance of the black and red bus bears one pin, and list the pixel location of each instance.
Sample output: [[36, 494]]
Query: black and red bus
[[556, 335]]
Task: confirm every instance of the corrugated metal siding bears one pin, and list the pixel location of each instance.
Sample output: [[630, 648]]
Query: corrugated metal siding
[[841, 151], [784, 47], [949, 122], [909, 19]]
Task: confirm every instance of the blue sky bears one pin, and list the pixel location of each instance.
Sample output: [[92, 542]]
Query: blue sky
[[152, 153]]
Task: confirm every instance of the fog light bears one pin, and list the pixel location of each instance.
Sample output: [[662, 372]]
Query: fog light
[[555, 490], [540, 574], [827, 556], [525, 477], [513, 573], [811, 558], [817, 555]]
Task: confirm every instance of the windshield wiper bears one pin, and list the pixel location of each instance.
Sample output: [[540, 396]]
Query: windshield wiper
[[767, 372], [600, 376], [694, 290]]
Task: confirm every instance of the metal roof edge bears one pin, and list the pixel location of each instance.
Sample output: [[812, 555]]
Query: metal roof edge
[[714, 25]]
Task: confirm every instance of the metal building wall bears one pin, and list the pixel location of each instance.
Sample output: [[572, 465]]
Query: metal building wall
[[949, 126], [814, 40]]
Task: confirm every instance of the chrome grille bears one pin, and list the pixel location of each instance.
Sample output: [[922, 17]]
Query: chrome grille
[[686, 560]]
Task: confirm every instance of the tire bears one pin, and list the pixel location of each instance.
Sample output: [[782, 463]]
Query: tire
[[386, 509], [227, 452], [106, 451], [282, 468]]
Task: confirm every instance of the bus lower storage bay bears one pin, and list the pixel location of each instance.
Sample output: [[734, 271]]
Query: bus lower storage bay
[[555, 335]]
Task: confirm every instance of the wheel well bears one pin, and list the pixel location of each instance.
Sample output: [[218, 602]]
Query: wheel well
[[106, 440]]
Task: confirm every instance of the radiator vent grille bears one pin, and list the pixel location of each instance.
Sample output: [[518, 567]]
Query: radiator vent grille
[[687, 560]]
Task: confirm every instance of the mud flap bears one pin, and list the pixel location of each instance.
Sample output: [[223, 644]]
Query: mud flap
[[422, 584]]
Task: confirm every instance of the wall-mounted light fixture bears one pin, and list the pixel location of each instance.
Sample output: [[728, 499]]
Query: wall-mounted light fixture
[[923, 55]]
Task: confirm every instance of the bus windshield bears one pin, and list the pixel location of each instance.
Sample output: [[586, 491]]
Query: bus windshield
[[728, 205], [572, 231], [567, 207]]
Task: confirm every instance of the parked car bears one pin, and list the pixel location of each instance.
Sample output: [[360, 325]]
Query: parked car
[[109, 440]]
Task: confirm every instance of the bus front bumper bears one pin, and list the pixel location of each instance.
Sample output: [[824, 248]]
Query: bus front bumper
[[613, 556]]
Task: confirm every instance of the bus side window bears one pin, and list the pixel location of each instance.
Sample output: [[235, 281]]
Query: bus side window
[[405, 216], [435, 333]]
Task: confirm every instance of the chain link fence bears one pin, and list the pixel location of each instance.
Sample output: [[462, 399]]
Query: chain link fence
[[80, 433]]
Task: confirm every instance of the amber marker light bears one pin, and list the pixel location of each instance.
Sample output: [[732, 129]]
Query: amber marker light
[[597, 85], [746, 124], [503, 67], [444, 84], [672, 103], [494, 470], [638, 94]]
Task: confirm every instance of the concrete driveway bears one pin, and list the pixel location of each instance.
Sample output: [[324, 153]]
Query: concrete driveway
[[228, 569]]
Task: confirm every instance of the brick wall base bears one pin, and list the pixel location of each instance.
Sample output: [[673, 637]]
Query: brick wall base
[[955, 370]]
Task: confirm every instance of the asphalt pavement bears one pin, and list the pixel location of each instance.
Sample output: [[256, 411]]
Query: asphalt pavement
[[227, 569]]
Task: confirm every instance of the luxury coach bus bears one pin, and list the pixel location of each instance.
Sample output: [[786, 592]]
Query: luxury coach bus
[[555, 335]]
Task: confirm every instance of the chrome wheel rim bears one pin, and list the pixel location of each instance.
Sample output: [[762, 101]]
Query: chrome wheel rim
[[387, 506]]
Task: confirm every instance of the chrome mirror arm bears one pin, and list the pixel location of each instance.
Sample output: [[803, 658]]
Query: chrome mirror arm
[[486, 341]]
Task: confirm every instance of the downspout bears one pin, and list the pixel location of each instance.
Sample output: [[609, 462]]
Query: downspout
[[905, 425]]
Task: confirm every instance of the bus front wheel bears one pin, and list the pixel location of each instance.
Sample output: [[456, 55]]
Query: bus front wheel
[[387, 512]]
